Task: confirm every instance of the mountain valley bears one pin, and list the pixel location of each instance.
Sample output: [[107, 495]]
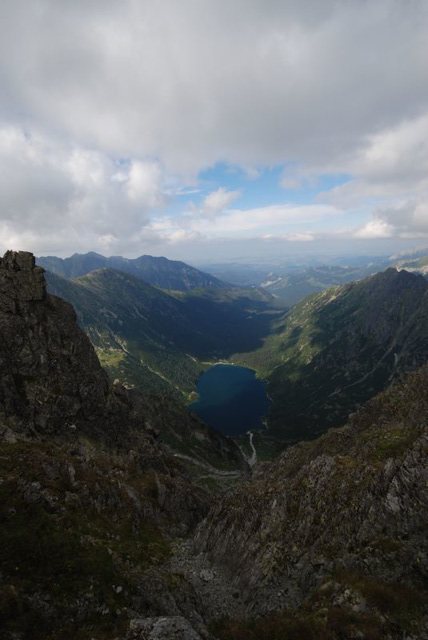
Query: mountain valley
[[214, 320], [335, 348], [123, 516], [161, 340]]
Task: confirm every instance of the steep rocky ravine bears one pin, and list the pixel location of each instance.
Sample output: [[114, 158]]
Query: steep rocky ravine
[[339, 522]]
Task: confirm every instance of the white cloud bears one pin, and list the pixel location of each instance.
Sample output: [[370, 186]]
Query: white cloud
[[299, 237], [390, 164], [279, 220], [290, 237], [407, 219], [181, 235], [87, 169], [374, 229], [274, 216], [217, 201], [182, 83], [144, 184], [56, 197]]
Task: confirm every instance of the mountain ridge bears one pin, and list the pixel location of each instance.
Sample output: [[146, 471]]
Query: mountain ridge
[[339, 347], [294, 287], [157, 271]]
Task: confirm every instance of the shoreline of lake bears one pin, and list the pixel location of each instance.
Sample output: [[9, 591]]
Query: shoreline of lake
[[231, 399]]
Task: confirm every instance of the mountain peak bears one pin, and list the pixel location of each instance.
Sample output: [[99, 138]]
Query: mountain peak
[[394, 278], [92, 254], [157, 271], [20, 278]]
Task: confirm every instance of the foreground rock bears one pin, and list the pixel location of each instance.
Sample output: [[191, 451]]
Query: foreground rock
[[166, 628], [339, 522], [51, 383]]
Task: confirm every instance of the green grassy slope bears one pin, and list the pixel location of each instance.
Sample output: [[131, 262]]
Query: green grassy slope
[[338, 348], [134, 328]]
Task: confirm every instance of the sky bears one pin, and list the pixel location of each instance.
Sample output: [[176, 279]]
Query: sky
[[210, 130]]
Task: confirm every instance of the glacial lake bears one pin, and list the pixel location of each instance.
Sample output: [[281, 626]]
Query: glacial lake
[[231, 399]]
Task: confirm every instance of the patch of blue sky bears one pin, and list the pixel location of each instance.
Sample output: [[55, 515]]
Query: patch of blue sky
[[266, 189], [260, 188]]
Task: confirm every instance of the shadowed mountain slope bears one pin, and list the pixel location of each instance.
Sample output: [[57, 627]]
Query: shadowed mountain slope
[[98, 517], [157, 340]]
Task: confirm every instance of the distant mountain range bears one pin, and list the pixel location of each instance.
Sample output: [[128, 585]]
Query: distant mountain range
[[416, 252], [293, 287], [159, 272], [417, 265]]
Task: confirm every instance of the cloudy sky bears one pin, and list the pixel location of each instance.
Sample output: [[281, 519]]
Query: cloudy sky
[[213, 129]]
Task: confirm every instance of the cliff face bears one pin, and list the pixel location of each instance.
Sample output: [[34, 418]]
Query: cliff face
[[348, 510], [88, 499], [50, 379]]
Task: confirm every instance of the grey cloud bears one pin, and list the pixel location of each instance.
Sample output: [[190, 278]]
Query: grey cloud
[[194, 82], [58, 197], [332, 86], [392, 164], [409, 218]]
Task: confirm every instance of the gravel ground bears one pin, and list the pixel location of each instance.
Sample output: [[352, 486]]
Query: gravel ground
[[220, 596]]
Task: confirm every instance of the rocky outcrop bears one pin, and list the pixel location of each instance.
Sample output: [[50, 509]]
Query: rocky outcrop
[[51, 382]]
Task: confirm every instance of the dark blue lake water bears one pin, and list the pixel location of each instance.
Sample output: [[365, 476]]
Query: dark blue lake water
[[231, 399]]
